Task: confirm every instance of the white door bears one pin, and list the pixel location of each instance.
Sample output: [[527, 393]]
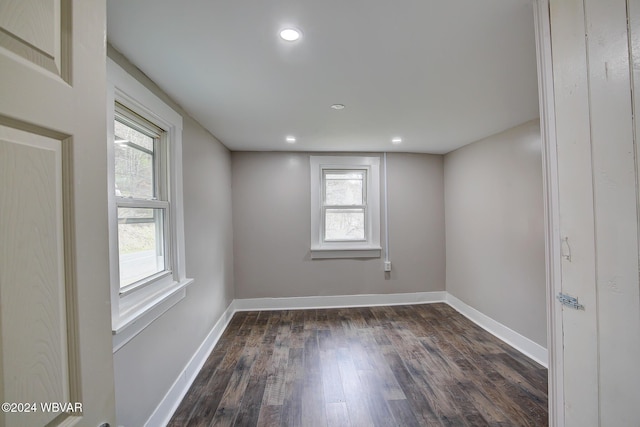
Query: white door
[[598, 209], [56, 364]]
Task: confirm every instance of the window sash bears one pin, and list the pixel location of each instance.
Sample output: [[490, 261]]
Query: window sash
[[350, 207], [147, 255], [344, 172], [163, 207], [159, 157], [327, 206]]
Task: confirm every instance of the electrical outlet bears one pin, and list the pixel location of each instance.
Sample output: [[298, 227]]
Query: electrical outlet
[[387, 266]]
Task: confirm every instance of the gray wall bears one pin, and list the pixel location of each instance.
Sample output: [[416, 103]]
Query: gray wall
[[495, 230], [271, 229], [147, 366]]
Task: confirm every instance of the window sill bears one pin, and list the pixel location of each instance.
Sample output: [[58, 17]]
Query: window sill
[[141, 308], [346, 252]]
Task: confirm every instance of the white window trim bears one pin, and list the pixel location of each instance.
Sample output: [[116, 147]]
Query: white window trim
[[142, 306], [369, 249]]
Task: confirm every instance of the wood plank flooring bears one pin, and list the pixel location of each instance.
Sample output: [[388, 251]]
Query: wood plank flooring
[[418, 365]]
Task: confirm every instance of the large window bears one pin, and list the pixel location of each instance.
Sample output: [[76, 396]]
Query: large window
[[146, 233], [345, 208], [141, 179]]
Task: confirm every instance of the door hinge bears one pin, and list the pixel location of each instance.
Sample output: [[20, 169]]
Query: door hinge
[[569, 301]]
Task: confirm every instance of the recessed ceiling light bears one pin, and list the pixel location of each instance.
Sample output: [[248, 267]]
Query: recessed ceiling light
[[290, 139], [290, 34], [338, 106], [397, 140]]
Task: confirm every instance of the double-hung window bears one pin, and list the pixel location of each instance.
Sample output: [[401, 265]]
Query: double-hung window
[[142, 202], [146, 230], [345, 207]]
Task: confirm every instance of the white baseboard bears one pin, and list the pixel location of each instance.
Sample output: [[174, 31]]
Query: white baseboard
[[176, 393], [514, 339], [337, 301], [164, 411]]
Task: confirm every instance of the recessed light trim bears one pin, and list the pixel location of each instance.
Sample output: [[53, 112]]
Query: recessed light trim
[[396, 140], [290, 139], [290, 34], [338, 106]]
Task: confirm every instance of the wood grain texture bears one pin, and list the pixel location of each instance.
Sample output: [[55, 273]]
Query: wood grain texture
[[420, 365], [38, 30], [32, 282]]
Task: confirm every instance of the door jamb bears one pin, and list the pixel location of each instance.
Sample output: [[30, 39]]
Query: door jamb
[[542, 24]]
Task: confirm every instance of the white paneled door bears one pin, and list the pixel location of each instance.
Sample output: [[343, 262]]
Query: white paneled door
[[596, 91], [56, 364]]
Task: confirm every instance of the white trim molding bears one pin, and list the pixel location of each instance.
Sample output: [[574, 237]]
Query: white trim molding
[[167, 407], [555, 361], [135, 322], [521, 343], [133, 311], [337, 301]]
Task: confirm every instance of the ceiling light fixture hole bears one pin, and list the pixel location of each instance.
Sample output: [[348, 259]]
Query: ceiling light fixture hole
[[338, 106]]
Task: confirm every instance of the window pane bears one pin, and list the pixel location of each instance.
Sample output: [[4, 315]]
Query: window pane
[[134, 152], [140, 243], [344, 224], [128, 134], [344, 188]]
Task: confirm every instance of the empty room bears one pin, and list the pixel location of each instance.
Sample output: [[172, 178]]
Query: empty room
[[337, 213], [376, 137]]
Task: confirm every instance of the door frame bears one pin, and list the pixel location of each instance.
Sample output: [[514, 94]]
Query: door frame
[[542, 23]]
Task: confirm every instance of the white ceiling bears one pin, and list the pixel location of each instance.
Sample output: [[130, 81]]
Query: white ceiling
[[440, 74]]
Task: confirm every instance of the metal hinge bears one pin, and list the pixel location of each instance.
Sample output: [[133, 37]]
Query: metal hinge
[[569, 301]]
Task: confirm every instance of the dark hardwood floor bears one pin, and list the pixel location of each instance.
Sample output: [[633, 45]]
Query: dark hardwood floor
[[418, 365]]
